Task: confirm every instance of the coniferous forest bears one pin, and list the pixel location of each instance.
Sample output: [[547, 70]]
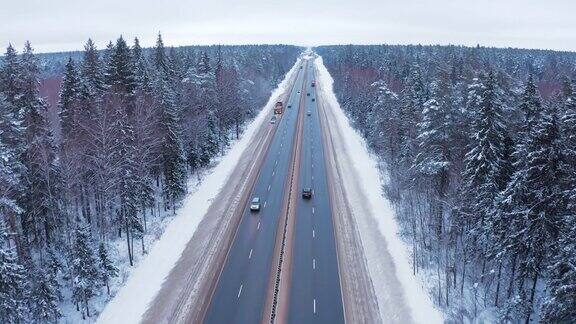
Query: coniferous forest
[[479, 145], [96, 144]]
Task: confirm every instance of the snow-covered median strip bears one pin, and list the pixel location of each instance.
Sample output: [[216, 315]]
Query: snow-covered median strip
[[131, 301], [366, 168]]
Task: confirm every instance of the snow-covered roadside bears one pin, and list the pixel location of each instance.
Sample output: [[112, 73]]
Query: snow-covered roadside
[[131, 301], [366, 168]]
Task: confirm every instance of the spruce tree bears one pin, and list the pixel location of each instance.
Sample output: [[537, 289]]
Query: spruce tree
[[10, 83], [120, 71], [172, 153], [141, 69], [532, 204], [86, 277], [44, 298], [92, 74], [485, 160], [13, 282], [107, 268], [69, 100], [560, 305]]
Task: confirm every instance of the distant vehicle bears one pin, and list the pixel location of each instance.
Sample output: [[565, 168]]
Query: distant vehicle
[[307, 193], [289, 106], [308, 94], [255, 205], [300, 67], [273, 120], [309, 113], [278, 107], [313, 99], [313, 83], [298, 91]]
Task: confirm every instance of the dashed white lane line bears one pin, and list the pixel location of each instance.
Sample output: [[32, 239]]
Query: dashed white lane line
[[273, 173], [264, 204], [313, 210], [240, 292], [312, 177], [314, 264], [250, 255], [269, 186], [276, 163], [258, 227], [313, 234], [314, 303]]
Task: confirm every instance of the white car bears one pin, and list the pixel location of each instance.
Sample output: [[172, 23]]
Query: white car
[[273, 120], [255, 205]]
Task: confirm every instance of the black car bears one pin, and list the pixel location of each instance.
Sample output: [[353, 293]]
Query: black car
[[308, 94], [313, 99], [307, 193]]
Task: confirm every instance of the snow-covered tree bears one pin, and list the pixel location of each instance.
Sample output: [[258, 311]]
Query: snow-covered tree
[[85, 272], [10, 82], [107, 268], [13, 282], [44, 298]]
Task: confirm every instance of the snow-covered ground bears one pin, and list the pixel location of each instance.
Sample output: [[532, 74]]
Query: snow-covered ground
[[145, 279], [365, 173]]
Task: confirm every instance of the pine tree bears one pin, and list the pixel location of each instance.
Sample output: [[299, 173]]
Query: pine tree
[[44, 298], [485, 161], [210, 140], [532, 205], [10, 83], [29, 77], [86, 277], [203, 66], [160, 59], [568, 128], [41, 197], [92, 74], [413, 97], [107, 268], [69, 93], [41, 180], [530, 104], [120, 71], [560, 306], [141, 68], [172, 153], [13, 283]]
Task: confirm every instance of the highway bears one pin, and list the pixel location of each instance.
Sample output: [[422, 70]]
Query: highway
[[240, 294], [315, 294]]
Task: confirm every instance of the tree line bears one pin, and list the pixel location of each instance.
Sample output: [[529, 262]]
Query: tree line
[[133, 126], [480, 147]]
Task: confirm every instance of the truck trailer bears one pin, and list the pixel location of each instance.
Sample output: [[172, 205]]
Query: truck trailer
[[278, 107]]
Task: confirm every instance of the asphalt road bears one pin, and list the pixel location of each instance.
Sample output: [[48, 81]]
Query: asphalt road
[[239, 296], [315, 294]]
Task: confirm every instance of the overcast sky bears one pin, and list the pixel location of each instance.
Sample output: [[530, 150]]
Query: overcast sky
[[60, 25]]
